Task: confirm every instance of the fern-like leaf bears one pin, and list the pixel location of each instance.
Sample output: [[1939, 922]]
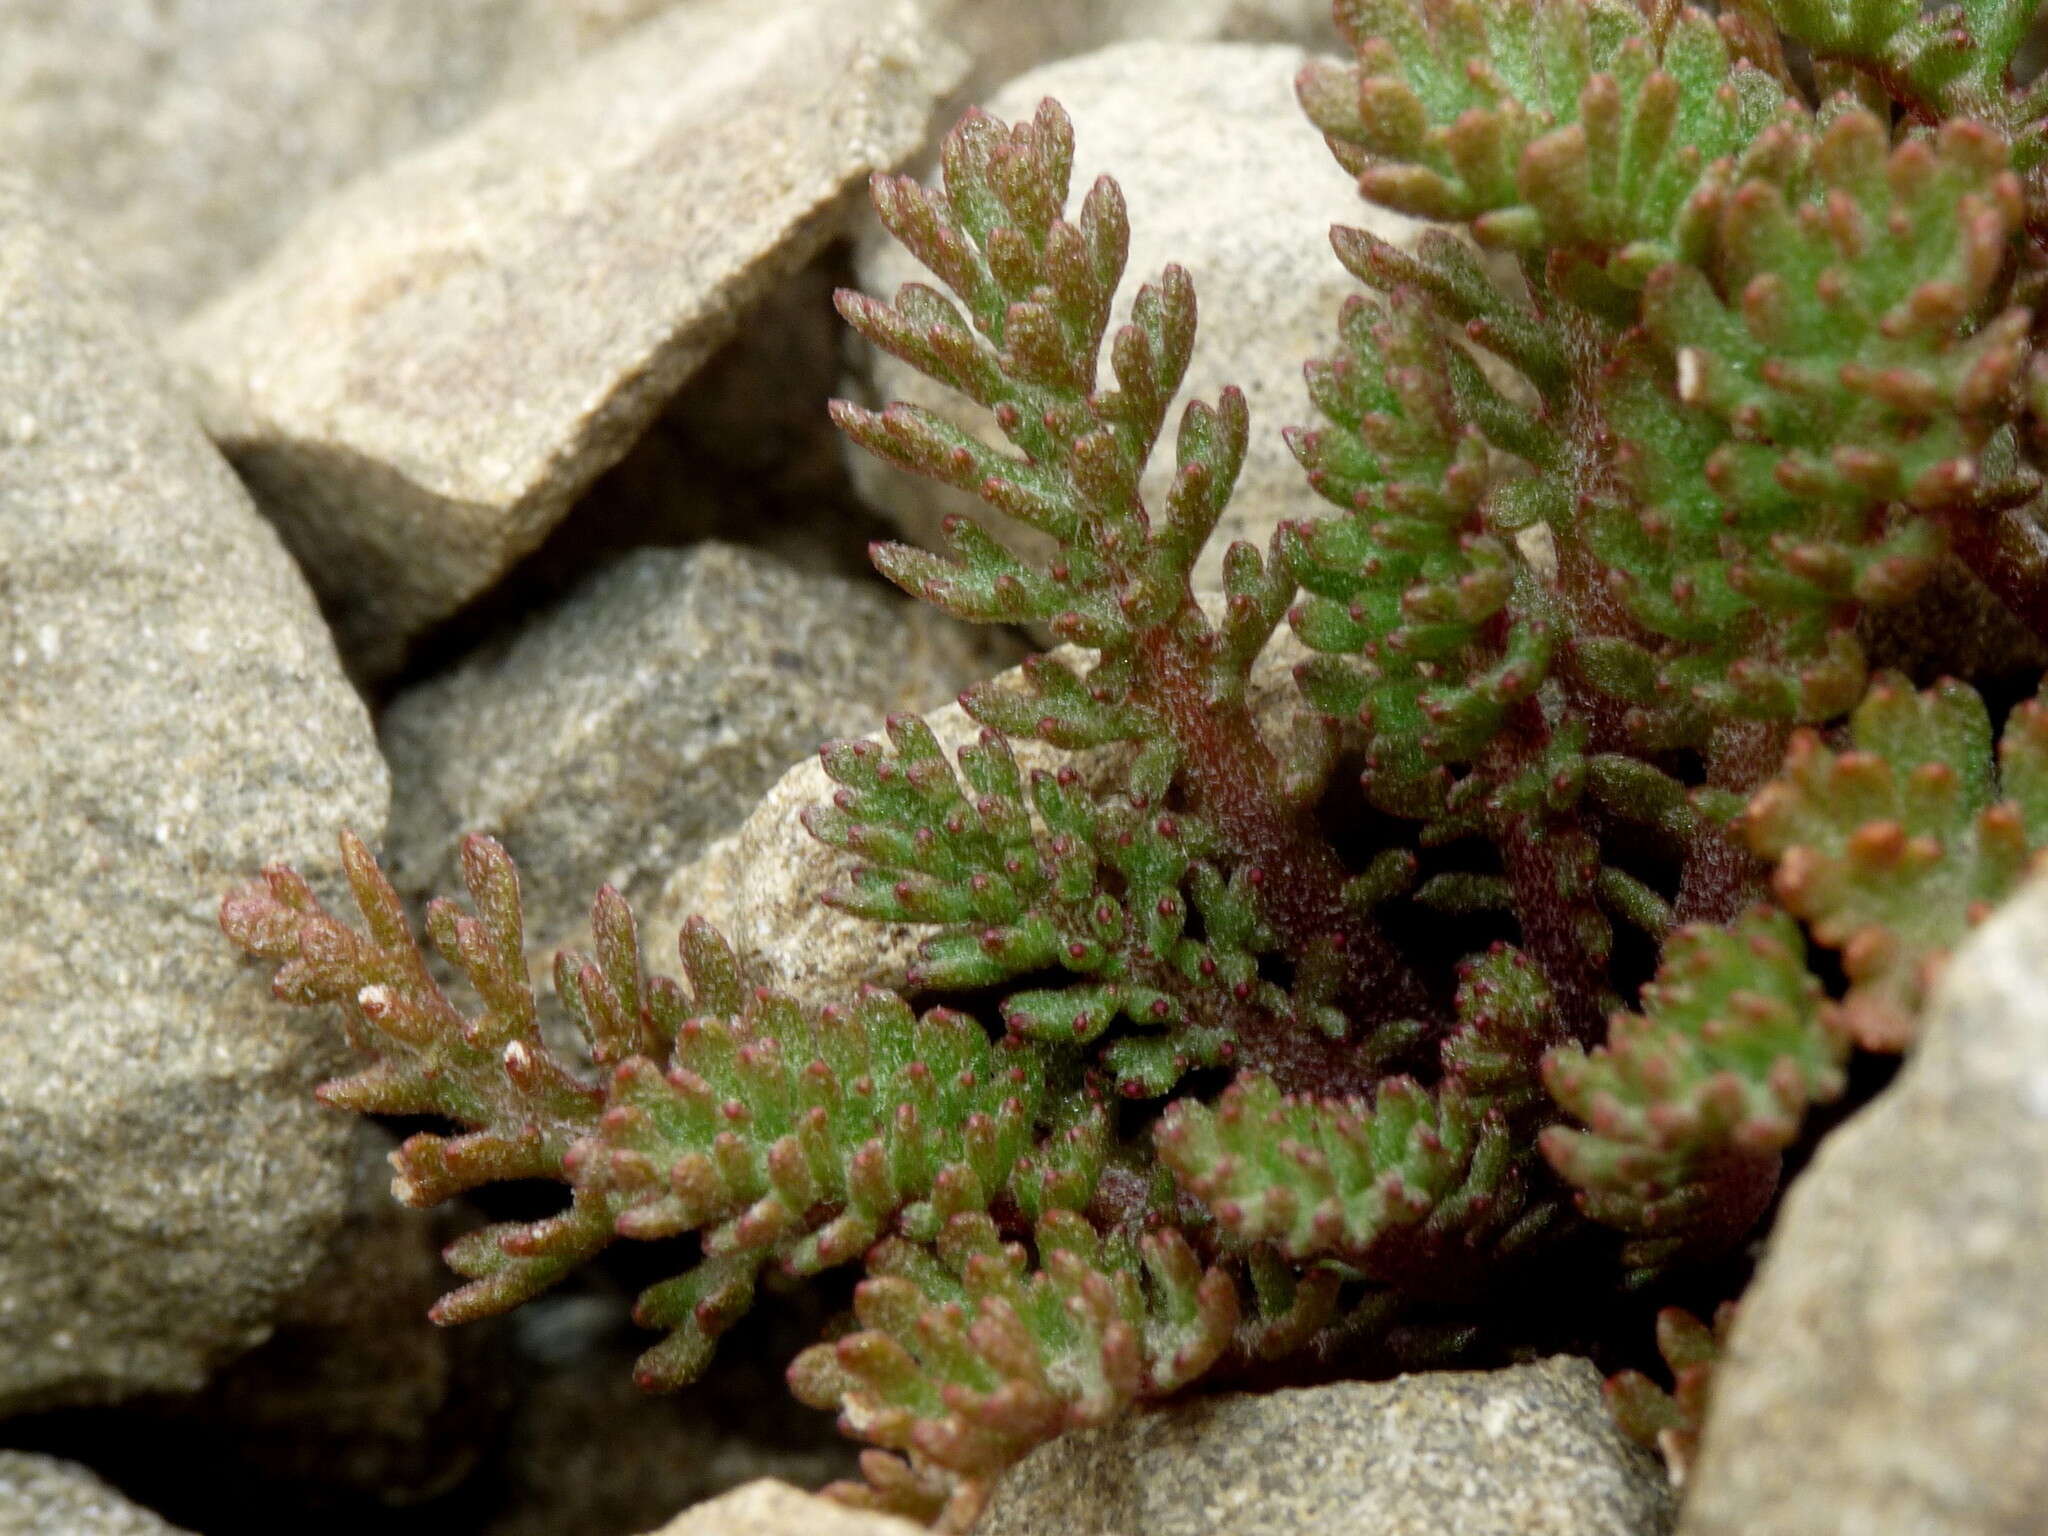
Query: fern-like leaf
[[1689, 1106], [969, 1354], [777, 1134], [1893, 849]]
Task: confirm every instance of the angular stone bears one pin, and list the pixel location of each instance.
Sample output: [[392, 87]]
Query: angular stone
[[1888, 1371], [611, 738], [1006, 40], [357, 1393], [1527, 1451], [185, 140], [42, 1496], [768, 1508], [172, 717], [1244, 200], [425, 374]]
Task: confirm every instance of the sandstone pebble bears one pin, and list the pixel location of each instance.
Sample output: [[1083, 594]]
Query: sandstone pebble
[[172, 716], [429, 370], [1527, 1451]]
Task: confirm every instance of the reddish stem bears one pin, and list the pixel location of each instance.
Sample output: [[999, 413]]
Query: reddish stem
[[1550, 860], [2007, 551], [1721, 877], [1234, 781]]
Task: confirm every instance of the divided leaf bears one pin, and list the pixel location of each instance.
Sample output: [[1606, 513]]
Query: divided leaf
[[970, 1354], [1893, 849], [778, 1134], [1689, 1105], [1669, 1423], [1560, 123]]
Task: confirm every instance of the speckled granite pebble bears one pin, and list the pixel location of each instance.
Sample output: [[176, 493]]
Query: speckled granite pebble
[[611, 737], [172, 716], [1522, 1452], [42, 1496]]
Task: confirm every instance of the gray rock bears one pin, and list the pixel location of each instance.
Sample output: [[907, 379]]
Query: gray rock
[[1006, 40], [611, 738], [1888, 1371], [1528, 1451], [430, 369], [42, 1496], [172, 715], [187, 139], [768, 1508], [1244, 200], [761, 885], [357, 1392]]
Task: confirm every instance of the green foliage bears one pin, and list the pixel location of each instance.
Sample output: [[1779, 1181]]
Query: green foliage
[[1690, 1103], [968, 1355], [1892, 849], [1728, 348], [1439, 1179], [1557, 123], [1412, 579], [779, 1135], [1015, 882], [1943, 60], [1669, 1423]]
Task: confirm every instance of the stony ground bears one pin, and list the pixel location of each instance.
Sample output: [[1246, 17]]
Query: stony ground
[[412, 418]]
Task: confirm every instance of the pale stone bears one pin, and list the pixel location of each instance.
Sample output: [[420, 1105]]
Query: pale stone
[[424, 376]]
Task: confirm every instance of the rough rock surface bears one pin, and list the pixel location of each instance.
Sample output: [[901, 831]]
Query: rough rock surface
[[172, 716], [1006, 40], [186, 139], [611, 738], [357, 1392], [1528, 1451], [1244, 201], [42, 1496], [424, 375], [760, 884], [768, 1508], [1888, 1372]]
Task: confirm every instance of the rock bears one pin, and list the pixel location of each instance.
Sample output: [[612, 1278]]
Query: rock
[[588, 1451], [611, 738], [1528, 1451], [173, 716], [768, 1508], [357, 1393], [42, 1496], [1244, 200], [1006, 40], [430, 369], [1888, 1371], [187, 139], [761, 885]]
